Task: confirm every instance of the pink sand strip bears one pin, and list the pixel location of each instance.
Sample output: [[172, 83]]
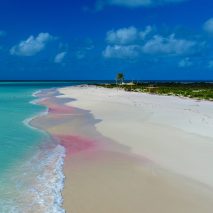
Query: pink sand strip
[[53, 107], [76, 144]]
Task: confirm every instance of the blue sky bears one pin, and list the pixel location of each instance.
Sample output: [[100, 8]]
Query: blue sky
[[95, 39]]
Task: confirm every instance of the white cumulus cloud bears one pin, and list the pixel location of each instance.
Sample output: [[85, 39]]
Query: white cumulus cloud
[[134, 3], [60, 57], [121, 51], [131, 42], [208, 26], [122, 36], [146, 32], [32, 45], [127, 35], [168, 45]]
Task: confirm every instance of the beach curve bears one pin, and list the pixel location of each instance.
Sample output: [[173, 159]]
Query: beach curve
[[98, 164]]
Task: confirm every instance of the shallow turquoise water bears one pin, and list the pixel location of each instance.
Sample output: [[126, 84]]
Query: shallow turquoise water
[[30, 170], [16, 139]]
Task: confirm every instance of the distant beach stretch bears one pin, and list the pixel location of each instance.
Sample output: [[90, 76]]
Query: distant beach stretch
[[131, 152]]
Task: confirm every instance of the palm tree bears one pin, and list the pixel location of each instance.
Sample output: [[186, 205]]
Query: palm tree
[[120, 78]]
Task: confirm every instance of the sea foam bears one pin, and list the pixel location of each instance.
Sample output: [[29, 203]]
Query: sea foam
[[39, 184], [49, 184], [48, 164]]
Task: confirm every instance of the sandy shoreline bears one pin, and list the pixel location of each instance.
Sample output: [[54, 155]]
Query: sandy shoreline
[[131, 152]]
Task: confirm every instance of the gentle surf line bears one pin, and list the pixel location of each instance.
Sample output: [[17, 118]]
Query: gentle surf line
[[60, 153]]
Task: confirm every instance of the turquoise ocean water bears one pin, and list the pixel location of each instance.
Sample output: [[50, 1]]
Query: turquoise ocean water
[[31, 175]]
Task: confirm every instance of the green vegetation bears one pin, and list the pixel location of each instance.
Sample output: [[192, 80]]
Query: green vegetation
[[190, 90]]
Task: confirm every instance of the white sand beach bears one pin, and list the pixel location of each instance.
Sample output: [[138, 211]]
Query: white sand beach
[[173, 133]]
